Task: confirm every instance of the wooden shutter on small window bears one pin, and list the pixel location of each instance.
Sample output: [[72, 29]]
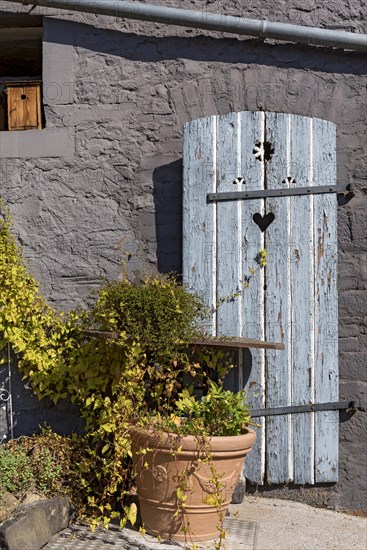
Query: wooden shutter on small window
[[294, 299], [24, 106]]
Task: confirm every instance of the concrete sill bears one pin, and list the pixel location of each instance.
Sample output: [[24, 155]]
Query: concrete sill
[[49, 142]]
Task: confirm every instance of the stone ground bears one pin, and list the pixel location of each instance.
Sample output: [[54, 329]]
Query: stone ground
[[257, 524]]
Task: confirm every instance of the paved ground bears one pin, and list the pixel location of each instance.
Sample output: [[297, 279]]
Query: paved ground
[[240, 536], [257, 524], [286, 525]]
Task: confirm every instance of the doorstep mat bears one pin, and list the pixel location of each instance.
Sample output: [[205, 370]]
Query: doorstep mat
[[241, 535]]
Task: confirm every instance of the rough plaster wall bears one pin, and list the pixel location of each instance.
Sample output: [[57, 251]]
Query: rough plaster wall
[[125, 94]]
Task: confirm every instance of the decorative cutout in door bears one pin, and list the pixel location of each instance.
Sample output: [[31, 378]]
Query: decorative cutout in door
[[264, 221]]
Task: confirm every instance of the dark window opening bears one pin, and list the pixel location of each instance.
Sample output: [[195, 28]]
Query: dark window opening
[[20, 72]]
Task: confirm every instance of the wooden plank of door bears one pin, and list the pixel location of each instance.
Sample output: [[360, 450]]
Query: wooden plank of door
[[228, 228], [279, 447], [302, 296], [199, 218], [326, 303], [228, 235], [252, 303]]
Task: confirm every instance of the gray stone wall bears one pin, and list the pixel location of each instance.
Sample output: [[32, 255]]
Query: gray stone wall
[[116, 95]]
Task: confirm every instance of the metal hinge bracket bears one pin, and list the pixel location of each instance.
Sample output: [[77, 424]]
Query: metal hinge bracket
[[352, 406], [342, 188]]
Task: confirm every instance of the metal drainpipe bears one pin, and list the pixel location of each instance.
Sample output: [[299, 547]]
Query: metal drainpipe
[[210, 21]]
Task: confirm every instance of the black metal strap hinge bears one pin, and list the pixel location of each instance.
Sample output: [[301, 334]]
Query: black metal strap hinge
[[341, 188], [352, 406]]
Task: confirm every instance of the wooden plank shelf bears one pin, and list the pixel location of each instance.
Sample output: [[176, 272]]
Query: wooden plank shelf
[[223, 342], [237, 343]]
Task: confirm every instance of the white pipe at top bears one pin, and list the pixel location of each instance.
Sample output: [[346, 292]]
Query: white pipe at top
[[210, 21]]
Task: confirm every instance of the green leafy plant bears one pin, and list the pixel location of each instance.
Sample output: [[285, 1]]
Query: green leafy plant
[[158, 313], [45, 471], [41, 336], [15, 471], [35, 464], [138, 366], [126, 359], [219, 412], [48, 464]]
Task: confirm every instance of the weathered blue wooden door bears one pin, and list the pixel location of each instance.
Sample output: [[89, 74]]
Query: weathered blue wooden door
[[294, 299]]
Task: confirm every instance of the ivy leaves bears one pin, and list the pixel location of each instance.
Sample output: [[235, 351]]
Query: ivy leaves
[[33, 328]]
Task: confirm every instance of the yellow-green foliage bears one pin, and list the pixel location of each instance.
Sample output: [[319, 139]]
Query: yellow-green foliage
[[158, 313], [60, 362], [110, 379], [34, 329], [138, 371]]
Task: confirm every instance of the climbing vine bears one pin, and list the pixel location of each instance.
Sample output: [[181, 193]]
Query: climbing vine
[[137, 368], [38, 333], [60, 362], [134, 375]]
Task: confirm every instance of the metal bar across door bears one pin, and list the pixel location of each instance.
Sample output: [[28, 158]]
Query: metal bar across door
[[286, 192]]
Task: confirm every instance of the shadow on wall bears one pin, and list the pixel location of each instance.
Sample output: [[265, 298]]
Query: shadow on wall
[[234, 381], [145, 48], [29, 413], [167, 193]]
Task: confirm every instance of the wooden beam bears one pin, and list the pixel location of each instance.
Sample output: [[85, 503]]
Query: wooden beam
[[209, 341], [237, 343]]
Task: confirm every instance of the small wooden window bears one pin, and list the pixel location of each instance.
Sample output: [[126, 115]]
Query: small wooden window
[[21, 106]]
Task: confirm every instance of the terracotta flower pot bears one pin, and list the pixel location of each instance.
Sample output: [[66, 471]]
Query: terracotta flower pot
[[162, 469]]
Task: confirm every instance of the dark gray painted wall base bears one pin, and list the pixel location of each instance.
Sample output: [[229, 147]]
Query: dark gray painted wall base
[[30, 414]]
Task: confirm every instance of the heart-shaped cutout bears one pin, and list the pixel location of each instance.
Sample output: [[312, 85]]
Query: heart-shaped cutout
[[263, 222]]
